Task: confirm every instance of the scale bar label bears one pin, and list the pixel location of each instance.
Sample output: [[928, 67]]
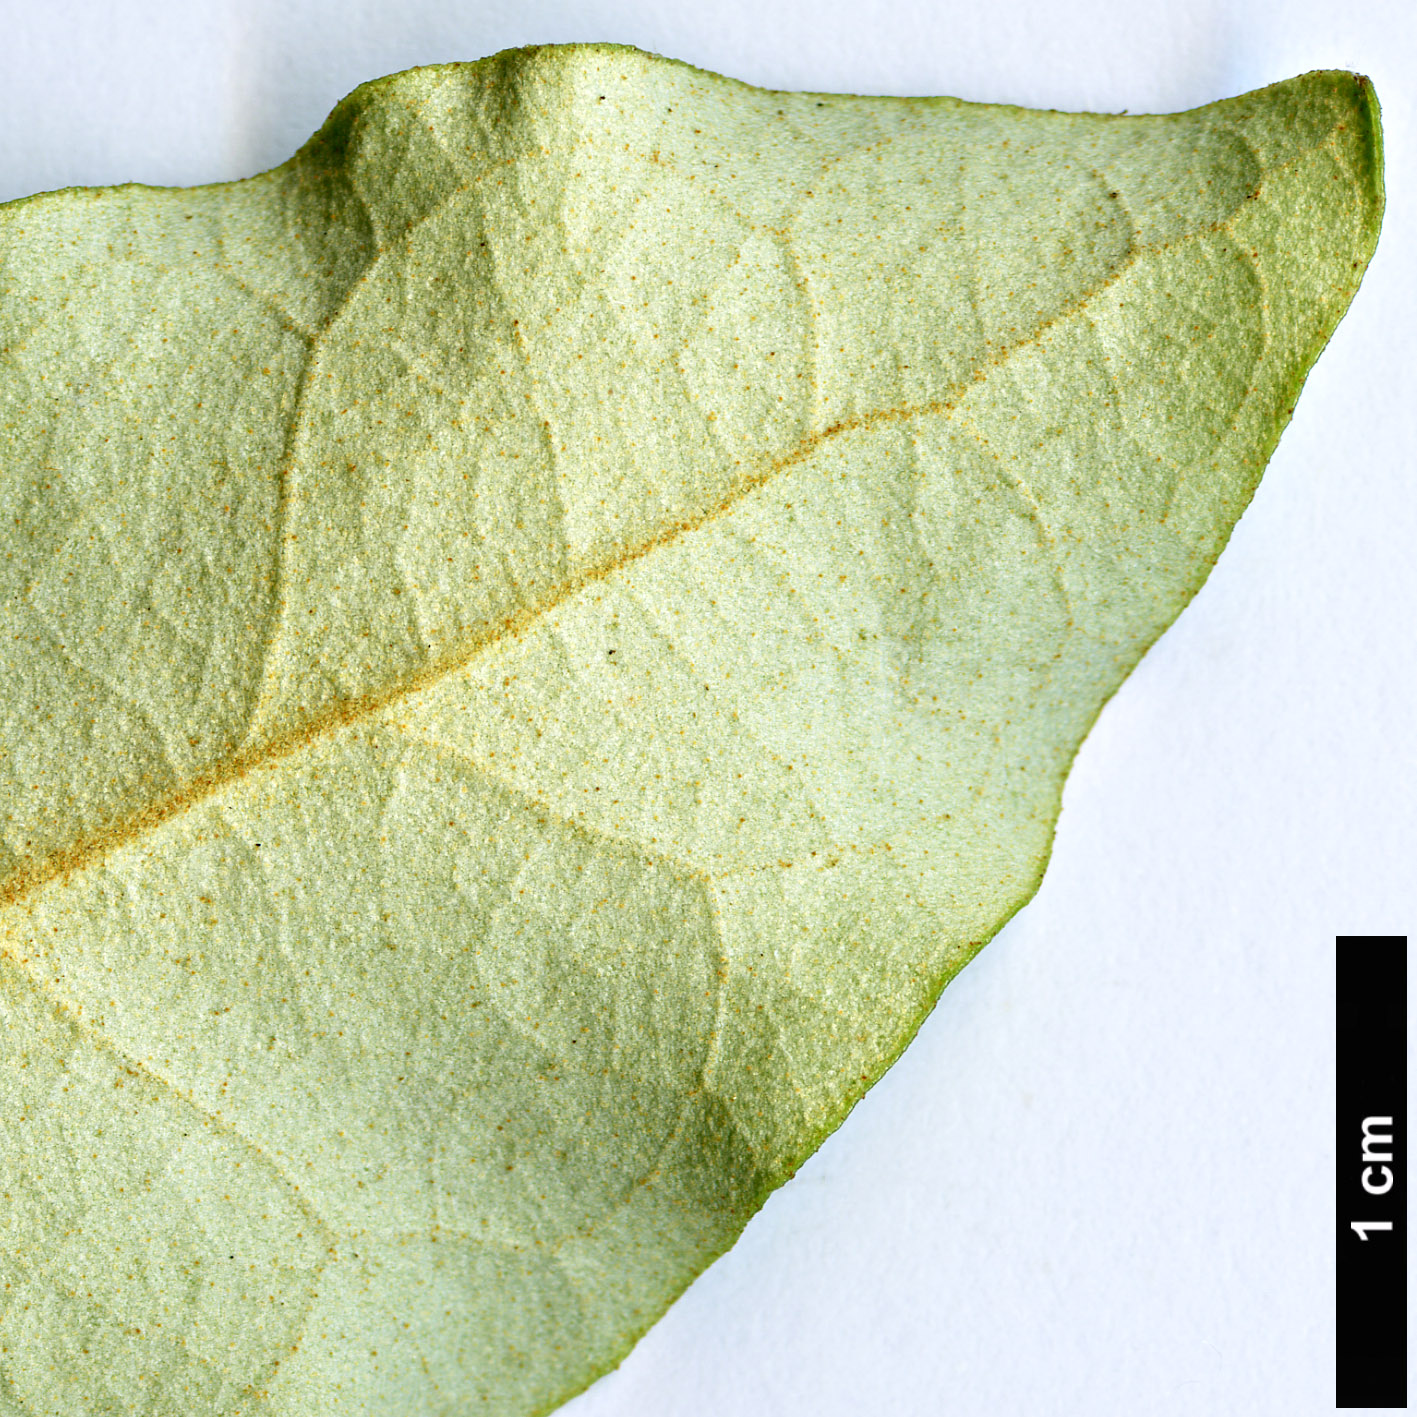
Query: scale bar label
[[1372, 1171]]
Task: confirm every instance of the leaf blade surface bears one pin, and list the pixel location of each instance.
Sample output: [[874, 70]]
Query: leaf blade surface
[[545, 630]]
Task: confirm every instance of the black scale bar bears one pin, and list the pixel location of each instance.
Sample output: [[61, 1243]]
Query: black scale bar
[[1372, 1171]]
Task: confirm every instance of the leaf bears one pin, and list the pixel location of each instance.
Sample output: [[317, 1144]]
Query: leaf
[[538, 636]]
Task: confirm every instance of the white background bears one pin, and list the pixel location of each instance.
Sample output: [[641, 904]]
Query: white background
[[1100, 1181]]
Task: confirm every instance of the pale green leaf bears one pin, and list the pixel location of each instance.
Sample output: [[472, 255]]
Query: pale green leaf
[[537, 636]]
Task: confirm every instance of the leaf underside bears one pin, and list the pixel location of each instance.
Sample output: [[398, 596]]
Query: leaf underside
[[537, 637]]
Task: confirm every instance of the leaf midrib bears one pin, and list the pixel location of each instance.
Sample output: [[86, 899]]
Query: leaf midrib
[[92, 850]]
